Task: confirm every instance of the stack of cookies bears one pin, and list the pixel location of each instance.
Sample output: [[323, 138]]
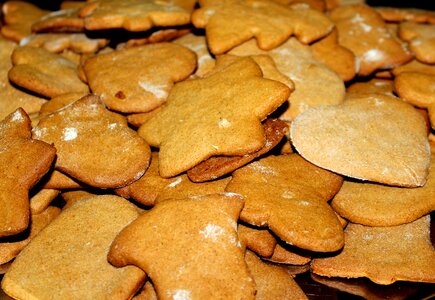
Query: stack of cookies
[[216, 149]]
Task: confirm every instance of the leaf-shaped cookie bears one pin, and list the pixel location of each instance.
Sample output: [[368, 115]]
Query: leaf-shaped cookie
[[23, 161], [230, 23], [85, 131], [371, 137], [217, 115], [138, 79]]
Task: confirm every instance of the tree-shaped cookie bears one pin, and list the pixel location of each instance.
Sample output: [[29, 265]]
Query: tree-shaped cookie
[[23, 161], [371, 137], [217, 115], [189, 248], [383, 254], [136, 15], [230, 23], [94, 145], [364, 32], [138, 79], [289, 195]]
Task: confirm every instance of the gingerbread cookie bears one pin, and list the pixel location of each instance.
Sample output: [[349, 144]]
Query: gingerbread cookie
[[383, 254], [260, 241], [42, 199], [154, 68], [373, 86], [195, 253], [282, 255], [289, 195], [355, 143], [231, 23], [57, 180], [68, 259], [64, 20], [336, 57], [11, 246], [417, 89], [421, 38], [396, 14], [23, 162], [151, 187], [18, 17], [241, 98], [85, 130], [380, 205], [58, 42], [218, 166], [362, 30], [315, 84], [416, 67], [11, 97], [136, 15], [198, 44], [59, 102], [45, 73], [272, 281]]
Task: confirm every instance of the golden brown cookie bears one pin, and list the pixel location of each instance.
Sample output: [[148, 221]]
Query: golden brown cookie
[[283, 255], [417, 89], [396, 14], [379, 49], [371, 137], [57, 180], [258, 240], [23, 161], [373, 86], [421, 38], [241, 98], [218, 166], [416, 67], [59, 102], [154, 36], [272, 281], [58, 42], [42, 199], [11, 246], [18, 17], [136, 15], [195, 253], [231, 23], [151, 187], [136, 120], [380, 205], [147, 292], [94, 145], [383, 254], [140, 78], [10, 96], [68, 259], [314, 83], [45, 73], [336, 57], [198, 44], [64, 20], [289, 195]]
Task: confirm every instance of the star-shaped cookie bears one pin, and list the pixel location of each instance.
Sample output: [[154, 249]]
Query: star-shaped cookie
[[217, 115]]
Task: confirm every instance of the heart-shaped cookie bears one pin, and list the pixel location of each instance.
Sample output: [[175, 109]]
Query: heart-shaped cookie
[[370, 137]]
